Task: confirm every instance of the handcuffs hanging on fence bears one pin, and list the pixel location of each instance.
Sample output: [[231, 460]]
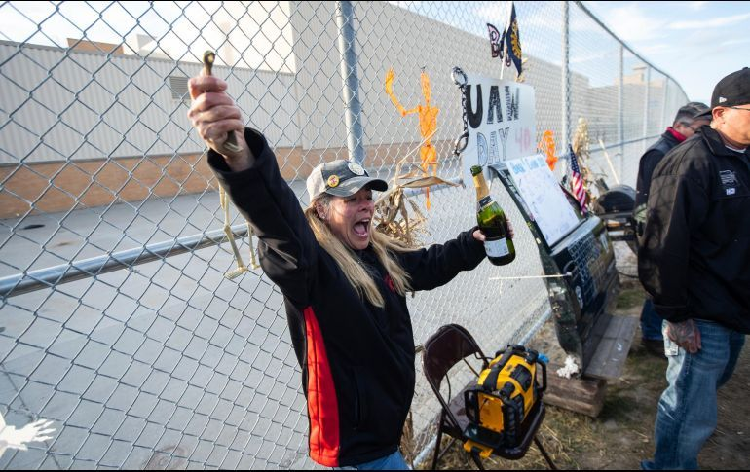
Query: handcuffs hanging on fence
[[462, 142], [461, 79], [231, 145]]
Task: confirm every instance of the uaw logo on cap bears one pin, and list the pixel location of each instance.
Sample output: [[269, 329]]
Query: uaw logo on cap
[[356, 168], [333, 181]]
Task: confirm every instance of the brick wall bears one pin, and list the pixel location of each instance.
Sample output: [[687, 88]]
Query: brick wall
[[61, 186]]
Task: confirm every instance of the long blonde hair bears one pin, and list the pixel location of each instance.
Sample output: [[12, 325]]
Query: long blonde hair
[[383, 245]]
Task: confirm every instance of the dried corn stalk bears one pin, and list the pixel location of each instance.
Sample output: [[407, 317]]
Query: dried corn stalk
[[582, 150], [392, 209], [408, 446], [581, 141]]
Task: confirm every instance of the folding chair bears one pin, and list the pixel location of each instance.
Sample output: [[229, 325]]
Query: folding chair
[[447, 347]]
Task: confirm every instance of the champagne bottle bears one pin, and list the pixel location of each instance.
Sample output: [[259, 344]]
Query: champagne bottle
[[491, 220]]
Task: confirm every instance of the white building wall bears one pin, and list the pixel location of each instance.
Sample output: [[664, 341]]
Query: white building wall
[[94, 106], [387, 36], [250, 35], [91, 106]]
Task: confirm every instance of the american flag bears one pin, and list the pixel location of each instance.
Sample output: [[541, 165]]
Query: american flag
[[576, 183]]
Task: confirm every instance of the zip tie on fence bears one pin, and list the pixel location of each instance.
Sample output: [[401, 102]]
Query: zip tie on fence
[[514, 277]]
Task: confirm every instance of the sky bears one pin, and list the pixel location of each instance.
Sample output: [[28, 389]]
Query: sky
[[697, 43]]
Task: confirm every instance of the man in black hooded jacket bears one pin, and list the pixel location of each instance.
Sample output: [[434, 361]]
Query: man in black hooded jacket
[[684, 126], [695, 262]]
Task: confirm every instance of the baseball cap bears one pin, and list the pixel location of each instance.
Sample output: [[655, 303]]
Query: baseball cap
[[732, 90], [341, 179], [693, 110]]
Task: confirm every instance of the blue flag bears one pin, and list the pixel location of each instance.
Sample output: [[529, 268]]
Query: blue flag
[[513, 41]]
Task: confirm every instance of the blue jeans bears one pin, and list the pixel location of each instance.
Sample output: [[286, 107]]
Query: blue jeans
[[687, 412], [650, 322], [394, 461]]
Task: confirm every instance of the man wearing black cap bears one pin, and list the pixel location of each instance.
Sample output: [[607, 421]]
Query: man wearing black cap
[[684, 126], [694, 261]]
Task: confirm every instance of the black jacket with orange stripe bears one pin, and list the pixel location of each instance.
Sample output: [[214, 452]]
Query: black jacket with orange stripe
[[357, 360]]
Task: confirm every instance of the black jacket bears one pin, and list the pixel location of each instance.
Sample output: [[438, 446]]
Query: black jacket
[[648, 162], [357, 360], [696, 255]]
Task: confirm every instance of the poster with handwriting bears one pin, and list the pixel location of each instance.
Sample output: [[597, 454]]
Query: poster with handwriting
[[543, 196], [501, 116]]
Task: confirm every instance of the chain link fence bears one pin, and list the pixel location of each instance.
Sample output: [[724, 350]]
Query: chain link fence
[[117, 322]]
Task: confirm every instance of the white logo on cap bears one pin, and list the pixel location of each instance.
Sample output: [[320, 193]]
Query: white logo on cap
[[722, 99], [356, 168]]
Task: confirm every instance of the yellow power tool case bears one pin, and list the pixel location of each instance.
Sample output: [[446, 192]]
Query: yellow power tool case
[[500, 402]]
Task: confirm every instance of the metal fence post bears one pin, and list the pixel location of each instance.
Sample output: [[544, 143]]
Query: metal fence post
[[348, 69], [662, 123], [646, 105], [565, 76], [621, 112]]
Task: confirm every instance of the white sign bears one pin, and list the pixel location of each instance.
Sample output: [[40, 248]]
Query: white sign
[[502, 122], [545, 200]]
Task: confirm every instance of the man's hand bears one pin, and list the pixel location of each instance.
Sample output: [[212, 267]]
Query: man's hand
[[685, 334], [214, 114]]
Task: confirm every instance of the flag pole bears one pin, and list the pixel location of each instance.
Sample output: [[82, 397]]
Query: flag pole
[[609, 161], [505, 43]]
